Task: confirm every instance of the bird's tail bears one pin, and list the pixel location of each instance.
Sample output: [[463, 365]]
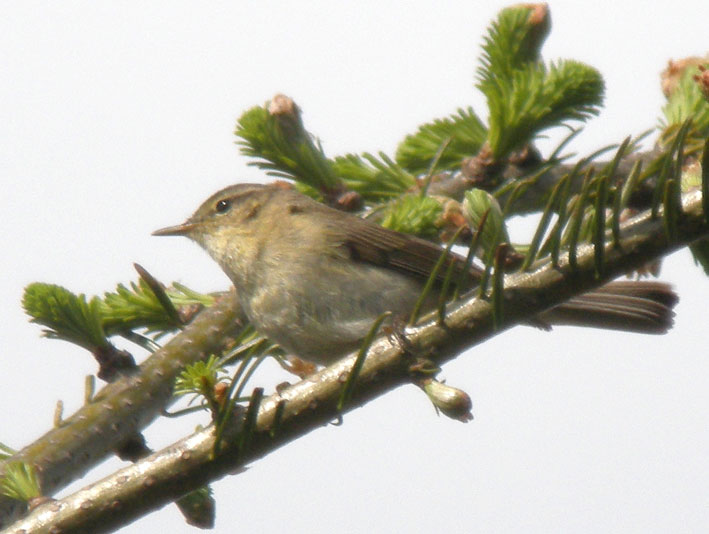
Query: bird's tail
[[640, 306]]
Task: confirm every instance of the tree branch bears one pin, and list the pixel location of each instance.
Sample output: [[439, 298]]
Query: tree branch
[[123, 407], [188, 464], [533, 199]]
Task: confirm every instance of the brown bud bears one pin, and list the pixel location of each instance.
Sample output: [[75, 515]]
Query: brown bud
[[282, 105], [34, 502], [453, 219], [703, 80], [220, 390], [670, 77], [349, 201]]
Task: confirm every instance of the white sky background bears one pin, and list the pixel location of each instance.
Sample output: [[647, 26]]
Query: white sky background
[[116, 119]]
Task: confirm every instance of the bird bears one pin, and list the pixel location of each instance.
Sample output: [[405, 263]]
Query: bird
[[314, 279]]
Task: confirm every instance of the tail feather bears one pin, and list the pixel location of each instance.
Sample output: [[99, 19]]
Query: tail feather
[[647, 289], [643, 307]]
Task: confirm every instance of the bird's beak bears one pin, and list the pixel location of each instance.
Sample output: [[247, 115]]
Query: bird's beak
[[180, 229]]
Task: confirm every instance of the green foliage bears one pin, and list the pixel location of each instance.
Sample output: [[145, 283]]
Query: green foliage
[[430, 282], [413, 214], [348, 388], [6, 452], [513, 41], [670, 163], [523, 96], [700, 252], [555, 204], [465, 131], [479, 204], [687, 101], [705, 180], [700, 249], [535, 99], [87, 323], [20, 482], [65, 315], [374, 178], [249, 349], [512, 45], [137, 306], [200, 378], [283, 148], [581, 220]]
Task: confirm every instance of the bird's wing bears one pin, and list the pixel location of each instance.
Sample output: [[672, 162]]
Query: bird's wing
[[375, 244]]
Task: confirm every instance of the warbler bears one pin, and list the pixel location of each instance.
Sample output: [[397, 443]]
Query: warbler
[[313, 279]]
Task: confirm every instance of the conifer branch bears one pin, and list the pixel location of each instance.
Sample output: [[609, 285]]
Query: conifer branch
[[190, 463]]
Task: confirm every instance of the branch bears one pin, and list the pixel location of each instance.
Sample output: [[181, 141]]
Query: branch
[[123, 407], [533, 199], [188, 464]]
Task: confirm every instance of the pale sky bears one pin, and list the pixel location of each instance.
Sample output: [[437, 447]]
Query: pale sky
[[116, 119]]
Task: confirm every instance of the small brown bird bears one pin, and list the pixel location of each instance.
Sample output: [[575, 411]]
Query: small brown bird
[[313, 279]]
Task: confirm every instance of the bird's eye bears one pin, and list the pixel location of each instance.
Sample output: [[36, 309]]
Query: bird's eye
[[222, 206]]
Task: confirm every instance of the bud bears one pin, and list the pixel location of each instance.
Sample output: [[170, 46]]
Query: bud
[[36, 502], [673, 73], [539, 25], [287, 113], [220, 391], [452, 402], [478, 202], [703, 80], [282, 105]]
